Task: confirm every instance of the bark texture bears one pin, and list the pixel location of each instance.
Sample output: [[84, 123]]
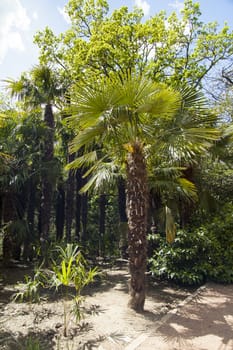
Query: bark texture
[[47, 181], [69, 209], [60, 212], [123, 224], [137, 201], [78, 205]]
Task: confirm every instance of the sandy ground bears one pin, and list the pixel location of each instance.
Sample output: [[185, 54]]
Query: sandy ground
[[109, 324], [203, 322]]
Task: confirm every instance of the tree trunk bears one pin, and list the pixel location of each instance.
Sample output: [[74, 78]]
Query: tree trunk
[[28, 250], [46, 199], [84, 212], [123, 224], [31, 207], [47, 181], [9, 214], [81, 207], [137, 202], [1, 207], [69, 211], [78, 205], [60, 212]]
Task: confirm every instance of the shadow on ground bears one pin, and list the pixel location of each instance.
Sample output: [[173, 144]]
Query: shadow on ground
[[10, 341], [208, 317]]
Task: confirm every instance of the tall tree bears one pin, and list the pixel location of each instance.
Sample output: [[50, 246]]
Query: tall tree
[[21, 138], [176, 49], [126, 118], [37, 89]]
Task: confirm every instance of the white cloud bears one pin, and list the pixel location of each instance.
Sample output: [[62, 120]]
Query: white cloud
[[144, 5], [15, 41], [65, 16], [13, 21], [35, 15], [177, 5]]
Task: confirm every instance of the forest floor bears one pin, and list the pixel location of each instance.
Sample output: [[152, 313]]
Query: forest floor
[[108, 323]]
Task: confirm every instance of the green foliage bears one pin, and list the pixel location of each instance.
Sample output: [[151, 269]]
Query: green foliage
[[32, 344], [99, 243], [221, 229], [71, 271], [67, 253], [28, 343], [30, 289], [16, 230], [170, 48], [184, 261], [198, 255]]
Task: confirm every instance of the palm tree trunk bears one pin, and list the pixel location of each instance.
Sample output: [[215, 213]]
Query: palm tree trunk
[[69, 209], [81, 209], [27, 251], [78, 204], [8, 215], [47, 182], [123, 224], [60, 212], [47, 190], [84, 215], [137, 201]]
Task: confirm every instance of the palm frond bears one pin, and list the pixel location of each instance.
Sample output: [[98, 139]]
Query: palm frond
[[19, 88], [103, 175], [192, 130], [175, 126], [163, 103], [3, 118], [170, 180], [85, 160], [228, 131], [205, 134], [187, 189], [169, 172], [192, 98], [86, 137]]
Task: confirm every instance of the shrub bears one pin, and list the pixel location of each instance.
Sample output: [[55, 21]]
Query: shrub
[[200, 254], [221, 228], [184, 261]]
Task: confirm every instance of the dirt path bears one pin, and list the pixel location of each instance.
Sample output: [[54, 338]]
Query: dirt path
[[204, 322], [108, 323]]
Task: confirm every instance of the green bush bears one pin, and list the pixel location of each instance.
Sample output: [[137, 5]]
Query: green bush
[[221, 228], [199, 254], [185, 261]]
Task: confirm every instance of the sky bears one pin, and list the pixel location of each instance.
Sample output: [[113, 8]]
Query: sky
[[21, 19]]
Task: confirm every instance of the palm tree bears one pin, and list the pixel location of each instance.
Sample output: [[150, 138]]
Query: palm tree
[[123, 117], [40, 88]]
